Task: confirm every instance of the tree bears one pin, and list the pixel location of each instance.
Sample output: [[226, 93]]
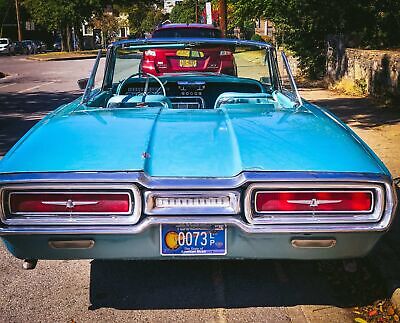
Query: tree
[[184, 12], [143, 17], [63, 15], [304, 25]]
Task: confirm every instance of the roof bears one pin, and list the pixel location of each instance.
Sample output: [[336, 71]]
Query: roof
[[172, 26]]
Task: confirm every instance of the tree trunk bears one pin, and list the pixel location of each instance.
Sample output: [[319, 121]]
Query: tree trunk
[[64, 45], [18, 21], [69, 39], [79, 35]]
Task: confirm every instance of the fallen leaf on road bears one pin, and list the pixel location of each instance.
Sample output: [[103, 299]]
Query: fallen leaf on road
[[373, 313], [360, 320]]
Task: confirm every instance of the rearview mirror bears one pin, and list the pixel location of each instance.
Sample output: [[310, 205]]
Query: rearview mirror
[[82, 83]]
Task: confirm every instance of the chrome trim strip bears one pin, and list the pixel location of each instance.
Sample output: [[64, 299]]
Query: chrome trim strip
[[159, 183], [90, 83], [230, 221], [151, 209], [322, 217], [69, 218]]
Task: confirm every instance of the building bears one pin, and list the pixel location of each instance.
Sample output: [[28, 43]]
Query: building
[[169, 5], [265, 28]]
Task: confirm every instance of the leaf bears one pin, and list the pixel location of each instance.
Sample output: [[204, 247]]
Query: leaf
[[396, 318], [372, 313], [360, 320], [390, 311]]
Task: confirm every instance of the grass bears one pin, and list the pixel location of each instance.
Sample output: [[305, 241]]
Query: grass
[[256, 56], [65, 55]]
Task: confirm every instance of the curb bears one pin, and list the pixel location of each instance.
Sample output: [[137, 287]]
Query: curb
[[71, 58]]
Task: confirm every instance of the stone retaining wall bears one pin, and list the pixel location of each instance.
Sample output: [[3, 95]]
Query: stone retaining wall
[[377, 71]]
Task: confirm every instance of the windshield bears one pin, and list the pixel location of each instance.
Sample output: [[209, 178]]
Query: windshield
[[3, 41], [225, 59], [187, 32]]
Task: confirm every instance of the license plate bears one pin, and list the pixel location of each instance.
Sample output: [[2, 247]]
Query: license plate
[[193, 240], [187, 63]]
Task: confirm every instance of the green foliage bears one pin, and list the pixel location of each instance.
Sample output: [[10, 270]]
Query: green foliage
[[143, 17], [304, 25], [257, 37], [184, 12], [55, 14]]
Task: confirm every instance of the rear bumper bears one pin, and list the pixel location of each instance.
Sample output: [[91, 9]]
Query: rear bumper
[[244, 239], [146, 245]]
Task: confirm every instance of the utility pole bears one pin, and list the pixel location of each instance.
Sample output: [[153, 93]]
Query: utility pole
[[222, 16], [18, 21]]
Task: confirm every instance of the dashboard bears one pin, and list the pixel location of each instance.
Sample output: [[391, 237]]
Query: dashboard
[[196, 93]]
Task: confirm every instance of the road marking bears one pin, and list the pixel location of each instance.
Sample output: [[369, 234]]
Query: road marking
[[8, 84], [35, 87]]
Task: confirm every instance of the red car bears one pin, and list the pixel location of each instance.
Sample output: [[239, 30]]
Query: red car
[[210, 59]]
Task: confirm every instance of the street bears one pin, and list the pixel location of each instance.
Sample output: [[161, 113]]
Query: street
[[187, 291]]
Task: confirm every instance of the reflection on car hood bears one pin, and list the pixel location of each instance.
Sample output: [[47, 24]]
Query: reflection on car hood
[[192, 143]]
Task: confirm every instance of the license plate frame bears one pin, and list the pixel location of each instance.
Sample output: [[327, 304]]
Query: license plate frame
[[218, 232]]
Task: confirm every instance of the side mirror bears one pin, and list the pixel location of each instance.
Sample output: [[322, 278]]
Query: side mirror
[[82, 83]]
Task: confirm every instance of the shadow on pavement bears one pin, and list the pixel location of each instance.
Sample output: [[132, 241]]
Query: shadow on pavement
[[230, 284], [19, 112], [365, 111]]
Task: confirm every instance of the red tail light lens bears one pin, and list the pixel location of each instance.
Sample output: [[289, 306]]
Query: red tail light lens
[[301, 201], [67, 203]]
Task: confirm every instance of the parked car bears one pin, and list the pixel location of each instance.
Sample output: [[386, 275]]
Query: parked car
[[7, 46], [41, 47], [57, 46], [209, 59], [198, 165], [32, 47], [21, 48]]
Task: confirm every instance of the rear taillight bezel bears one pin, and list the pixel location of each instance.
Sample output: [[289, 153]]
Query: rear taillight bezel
[[311, 217], [131, 216]]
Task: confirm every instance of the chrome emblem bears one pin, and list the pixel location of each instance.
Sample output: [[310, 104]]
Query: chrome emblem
[[314, 202], [70, 204]]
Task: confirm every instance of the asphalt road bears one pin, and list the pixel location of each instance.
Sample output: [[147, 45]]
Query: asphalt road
[[159, 291]]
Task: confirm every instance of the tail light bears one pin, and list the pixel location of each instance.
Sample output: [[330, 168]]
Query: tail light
[[69, 203], [314, 203], [95, 204], [300, 201]]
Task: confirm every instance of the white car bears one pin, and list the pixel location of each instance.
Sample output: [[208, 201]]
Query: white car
[[7, 46]]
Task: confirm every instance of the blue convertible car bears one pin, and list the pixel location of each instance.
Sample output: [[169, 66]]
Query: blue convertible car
[[193, 163]]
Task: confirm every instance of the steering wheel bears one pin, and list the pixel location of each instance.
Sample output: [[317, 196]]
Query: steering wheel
[[146, 86]]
